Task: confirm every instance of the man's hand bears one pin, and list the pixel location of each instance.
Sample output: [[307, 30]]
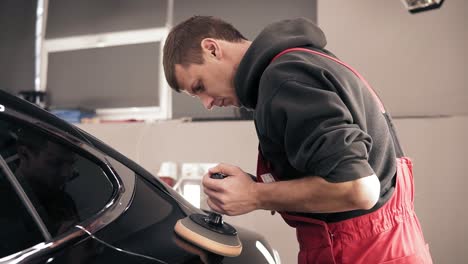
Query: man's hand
[[234, 195]]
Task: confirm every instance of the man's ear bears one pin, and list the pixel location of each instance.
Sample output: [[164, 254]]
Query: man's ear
[[211, 47]]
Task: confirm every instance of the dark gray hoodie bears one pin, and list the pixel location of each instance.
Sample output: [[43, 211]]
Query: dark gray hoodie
[[314, 117]]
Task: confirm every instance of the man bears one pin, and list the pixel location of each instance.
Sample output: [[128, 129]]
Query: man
[[329, 160]]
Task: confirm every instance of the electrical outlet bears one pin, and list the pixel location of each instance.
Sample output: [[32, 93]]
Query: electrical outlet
[[195, 170]]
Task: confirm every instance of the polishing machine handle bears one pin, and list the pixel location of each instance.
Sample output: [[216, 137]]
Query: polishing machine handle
[[215, 218]]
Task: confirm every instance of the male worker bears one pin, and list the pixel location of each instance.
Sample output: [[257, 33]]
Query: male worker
[[329, 160]]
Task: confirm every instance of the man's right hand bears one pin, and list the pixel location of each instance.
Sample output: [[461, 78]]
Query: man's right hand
[[233, 195]]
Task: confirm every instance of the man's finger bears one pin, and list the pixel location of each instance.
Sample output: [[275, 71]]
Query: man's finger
[[213, 195], [225, 169], [215, 207], [213, 184]]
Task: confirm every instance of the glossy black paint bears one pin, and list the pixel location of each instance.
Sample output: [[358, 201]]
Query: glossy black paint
[[143, 233]]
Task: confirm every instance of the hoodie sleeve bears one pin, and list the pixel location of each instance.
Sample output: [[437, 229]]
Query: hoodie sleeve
[[317, 132]]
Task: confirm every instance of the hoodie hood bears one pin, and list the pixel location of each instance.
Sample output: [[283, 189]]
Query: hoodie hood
[[272, 40]]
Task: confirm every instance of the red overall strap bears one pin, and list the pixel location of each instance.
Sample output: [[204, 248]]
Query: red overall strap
[[263, 166], [382, 108]]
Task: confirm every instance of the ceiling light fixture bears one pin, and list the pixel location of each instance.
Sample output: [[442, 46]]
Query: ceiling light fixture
[[416, 6]]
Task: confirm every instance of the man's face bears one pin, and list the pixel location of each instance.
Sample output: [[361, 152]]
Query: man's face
[[212, 82]]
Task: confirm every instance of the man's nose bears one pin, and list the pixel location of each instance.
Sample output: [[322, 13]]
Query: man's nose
[[207, 101]]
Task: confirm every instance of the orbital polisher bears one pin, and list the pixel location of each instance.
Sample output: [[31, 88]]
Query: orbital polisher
[[210, 232]]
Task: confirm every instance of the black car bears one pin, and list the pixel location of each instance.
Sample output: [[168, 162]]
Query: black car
[[66, 197]]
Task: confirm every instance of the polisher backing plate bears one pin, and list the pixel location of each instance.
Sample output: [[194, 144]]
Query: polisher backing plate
[[223, 244], [222, 228]]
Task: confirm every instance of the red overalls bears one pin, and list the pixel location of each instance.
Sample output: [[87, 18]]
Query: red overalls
[[392, 234]]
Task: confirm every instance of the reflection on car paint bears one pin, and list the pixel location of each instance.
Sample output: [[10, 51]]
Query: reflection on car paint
[[119, 249]]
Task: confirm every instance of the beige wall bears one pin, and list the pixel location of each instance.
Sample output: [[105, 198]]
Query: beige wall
[[417, 62], [437, 146]]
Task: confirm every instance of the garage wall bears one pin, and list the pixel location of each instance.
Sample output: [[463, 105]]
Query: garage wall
[[68, 18], [17, 23], [417, 62]]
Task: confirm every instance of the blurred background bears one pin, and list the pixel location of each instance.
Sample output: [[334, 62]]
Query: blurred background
[[98, 64]]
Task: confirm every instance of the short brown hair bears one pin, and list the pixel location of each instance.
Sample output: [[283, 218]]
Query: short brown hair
[[183, 44]]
